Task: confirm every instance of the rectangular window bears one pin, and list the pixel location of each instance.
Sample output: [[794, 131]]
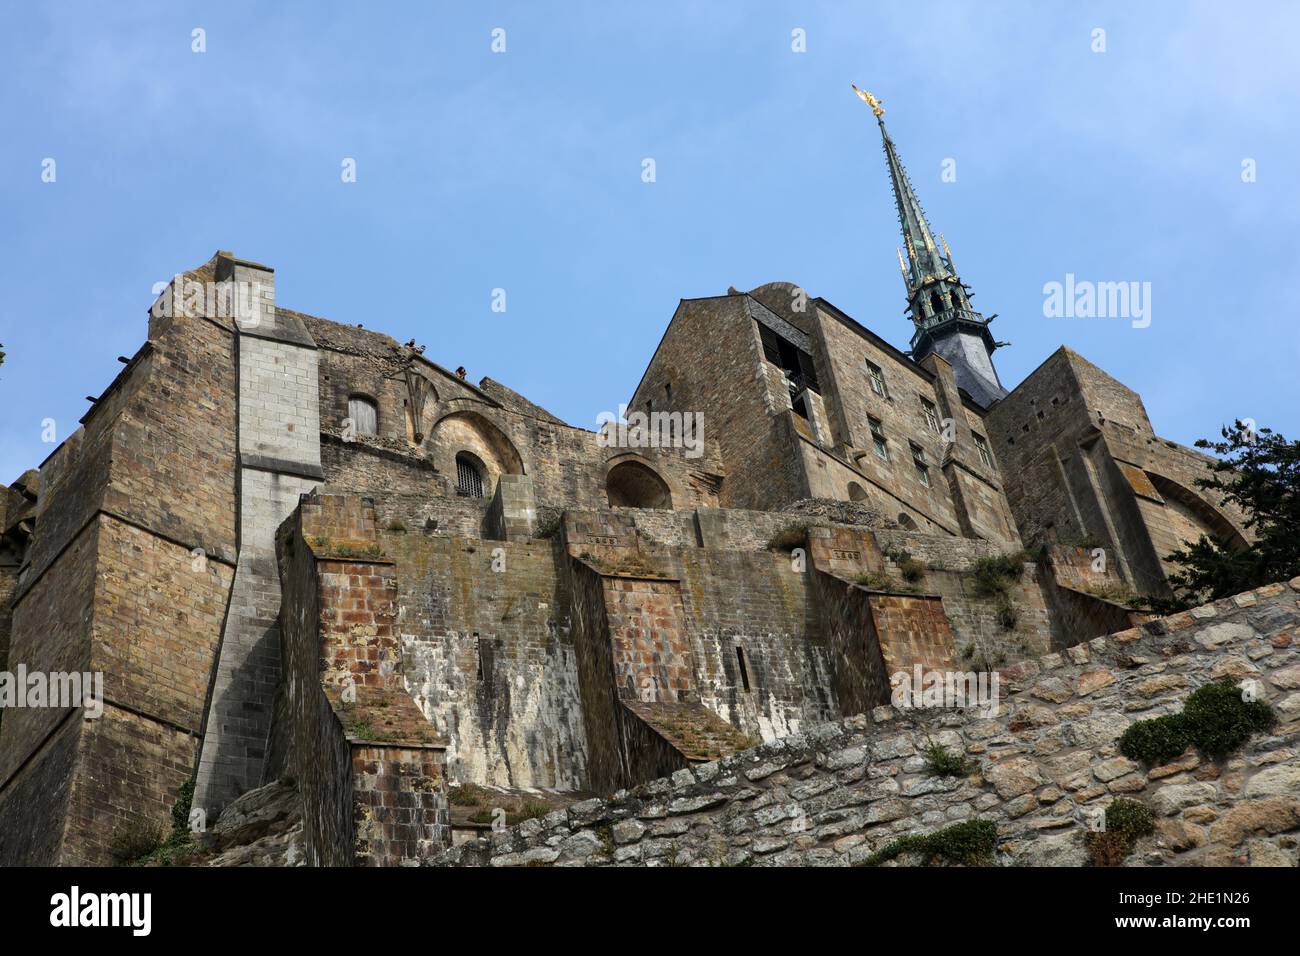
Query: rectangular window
[[790, 359], [931, 415], [364, 415], [918, 459], [877, 378], [878, 439], [982, 446]]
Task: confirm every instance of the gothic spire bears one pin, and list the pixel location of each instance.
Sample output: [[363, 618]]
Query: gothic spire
[[938, 302]]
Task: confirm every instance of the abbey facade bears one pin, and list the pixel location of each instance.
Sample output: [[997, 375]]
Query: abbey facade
[[299, 550]]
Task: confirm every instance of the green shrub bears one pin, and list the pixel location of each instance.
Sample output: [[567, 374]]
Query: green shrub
[[997, 574], [970, 843], [465, 795], [874, 581], [1219, 720], [1215, 718], [912, 569], [941, 763], [1130, 818], [1107, 849], [1007, 613], [181, 808], [1126, 822], [548, 524], [135, 841], [1155, 741]]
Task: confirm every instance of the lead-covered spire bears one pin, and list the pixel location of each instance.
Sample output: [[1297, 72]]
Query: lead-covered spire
[[938, 302]]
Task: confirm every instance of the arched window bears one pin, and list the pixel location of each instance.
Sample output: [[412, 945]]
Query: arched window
[[364, 414], [857, 492], [936, 303], [469, 475]]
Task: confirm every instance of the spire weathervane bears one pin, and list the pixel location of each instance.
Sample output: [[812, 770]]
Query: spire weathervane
[[870, 100]]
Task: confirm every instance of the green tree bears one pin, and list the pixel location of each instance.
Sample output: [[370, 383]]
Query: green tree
[[1259, 472]]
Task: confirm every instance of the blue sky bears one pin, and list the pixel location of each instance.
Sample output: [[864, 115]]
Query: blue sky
[[522, 171]]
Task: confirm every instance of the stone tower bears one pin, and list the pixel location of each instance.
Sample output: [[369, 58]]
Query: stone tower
[[938, 301]]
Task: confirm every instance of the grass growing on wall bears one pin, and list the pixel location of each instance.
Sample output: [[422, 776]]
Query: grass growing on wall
[[942, 763], [971, 843], [146, 844], [994, 578], [1216, 719]]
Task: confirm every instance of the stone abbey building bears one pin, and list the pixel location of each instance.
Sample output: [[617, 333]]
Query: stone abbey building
[[300, 550]]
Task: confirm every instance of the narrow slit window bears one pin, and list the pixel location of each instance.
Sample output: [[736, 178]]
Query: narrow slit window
[[744, 672]]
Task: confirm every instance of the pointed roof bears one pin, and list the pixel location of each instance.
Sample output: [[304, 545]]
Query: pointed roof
[[937, 300], [923, 255]]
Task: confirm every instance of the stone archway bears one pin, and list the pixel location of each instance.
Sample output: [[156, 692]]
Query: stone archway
[[487, 446], [633, 484]]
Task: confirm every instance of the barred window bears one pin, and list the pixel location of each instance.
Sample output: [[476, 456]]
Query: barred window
[[877, 379], [922, 467], [364, 415], [878, 439], [982, 446], [469, 476]]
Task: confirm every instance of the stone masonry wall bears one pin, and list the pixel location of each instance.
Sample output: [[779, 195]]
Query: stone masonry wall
[[279, 455], [1043, 768]]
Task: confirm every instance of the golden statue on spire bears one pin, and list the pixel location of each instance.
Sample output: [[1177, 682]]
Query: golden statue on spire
[[870, 100]]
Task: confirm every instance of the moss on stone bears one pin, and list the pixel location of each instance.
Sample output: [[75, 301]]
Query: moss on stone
[[1216, 719], [1127, 821]]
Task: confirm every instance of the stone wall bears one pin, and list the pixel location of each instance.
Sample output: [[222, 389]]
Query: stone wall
[[1042, 768], [370, 768], [1082, 463], [279, 459], [489, 658]]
